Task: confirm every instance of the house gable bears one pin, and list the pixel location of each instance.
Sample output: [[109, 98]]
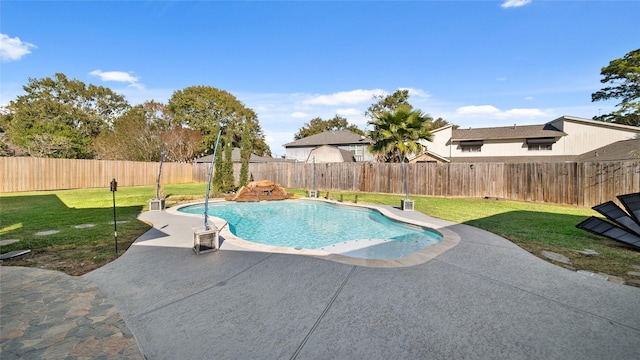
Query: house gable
[[346, 140], [330, 154], [562, 139]]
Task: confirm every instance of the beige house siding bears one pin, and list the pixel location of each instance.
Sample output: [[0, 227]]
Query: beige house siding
[[586, 135], [503, 147], [574, 137], [440, 143]]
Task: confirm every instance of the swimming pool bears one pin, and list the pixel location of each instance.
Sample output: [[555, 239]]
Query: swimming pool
[[347, 230]]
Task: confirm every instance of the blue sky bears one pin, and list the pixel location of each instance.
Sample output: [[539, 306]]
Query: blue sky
[[473, 63]]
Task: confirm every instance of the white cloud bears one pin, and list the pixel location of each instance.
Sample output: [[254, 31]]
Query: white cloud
[[415, 93], [514, 3], [299, 114], [119, 76], [491, 111], [477, 110], [281, 115], [12, 49], [352, 97], [275, 140], [524, 113], [529, 98], [348, 112]]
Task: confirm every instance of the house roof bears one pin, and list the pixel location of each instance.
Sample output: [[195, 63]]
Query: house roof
[[340, 137], [235, 157], [507, 132], [594, 123], [618, 151]]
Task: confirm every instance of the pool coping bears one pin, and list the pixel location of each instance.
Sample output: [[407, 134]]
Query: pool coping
[[231, 242]]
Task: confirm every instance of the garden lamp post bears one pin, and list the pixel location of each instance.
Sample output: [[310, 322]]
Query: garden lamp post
[[114, 188]]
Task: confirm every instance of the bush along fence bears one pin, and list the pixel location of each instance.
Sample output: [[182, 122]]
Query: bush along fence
[[570, 183]]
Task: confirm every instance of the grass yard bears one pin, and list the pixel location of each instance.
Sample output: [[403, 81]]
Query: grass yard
[[72, 250], [533, 226]]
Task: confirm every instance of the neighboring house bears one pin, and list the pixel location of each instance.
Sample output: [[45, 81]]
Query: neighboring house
[[299, 150], [564, 139], [330, 154], [618, 151], [235, 157]]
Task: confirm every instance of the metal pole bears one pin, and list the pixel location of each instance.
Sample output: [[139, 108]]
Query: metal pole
[[206, 199], [404, 175], [114, 188], [159, 174]]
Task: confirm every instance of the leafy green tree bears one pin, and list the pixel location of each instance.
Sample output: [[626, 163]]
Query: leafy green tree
[[317, 125], [228, 182], [58, 117], [223, 179], [207, 109], [388, 103], [218, 169], [398, 133], [623, 77], [400, 98], [245, 157]]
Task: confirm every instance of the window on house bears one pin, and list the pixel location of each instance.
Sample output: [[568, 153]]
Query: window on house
[[356, 149], [540, 144], [471, 146]]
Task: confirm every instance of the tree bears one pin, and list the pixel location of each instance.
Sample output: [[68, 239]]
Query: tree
[[388, 103], [180, 143], [207, 109], [398, 133], [245, 157], [623, 77], [60, 117], [317, 125], [142, 132], [223, 176], [400, 98]]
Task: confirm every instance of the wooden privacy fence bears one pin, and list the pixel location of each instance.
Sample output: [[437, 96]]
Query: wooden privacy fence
[[33, 174], [578, 184]]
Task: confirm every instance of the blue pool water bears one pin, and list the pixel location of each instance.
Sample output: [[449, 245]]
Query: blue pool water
[[317, 225]]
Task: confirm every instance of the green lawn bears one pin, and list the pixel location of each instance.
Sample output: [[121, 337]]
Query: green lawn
[[72, 250], [533, 226]]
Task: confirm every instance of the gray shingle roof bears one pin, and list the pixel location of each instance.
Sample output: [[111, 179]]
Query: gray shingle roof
[[618, 151], [507, 132], [340, 137]]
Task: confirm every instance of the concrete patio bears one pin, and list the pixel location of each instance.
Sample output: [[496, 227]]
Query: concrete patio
[[485, 298]]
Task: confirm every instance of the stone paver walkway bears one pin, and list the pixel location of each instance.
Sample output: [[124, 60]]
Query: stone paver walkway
[[50, 315]]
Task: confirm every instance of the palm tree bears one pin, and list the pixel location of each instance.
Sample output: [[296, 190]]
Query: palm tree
[[398, 133]]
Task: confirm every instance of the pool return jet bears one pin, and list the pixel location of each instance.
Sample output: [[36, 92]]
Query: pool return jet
[[207, 239]]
